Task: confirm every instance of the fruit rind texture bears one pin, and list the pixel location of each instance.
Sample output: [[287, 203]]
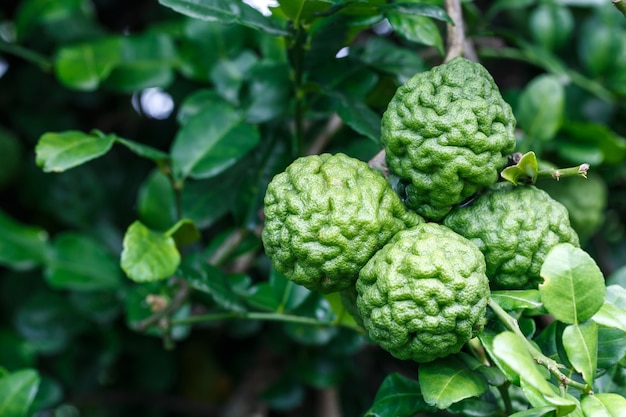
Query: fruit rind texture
[[325, 216], [447, 133], [423, 295]]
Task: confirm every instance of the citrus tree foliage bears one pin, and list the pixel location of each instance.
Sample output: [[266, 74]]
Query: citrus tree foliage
[[137, 142]]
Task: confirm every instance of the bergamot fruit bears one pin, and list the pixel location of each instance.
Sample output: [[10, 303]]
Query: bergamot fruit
[[447, 133], [424, 294], [515, 228], [325, 216]]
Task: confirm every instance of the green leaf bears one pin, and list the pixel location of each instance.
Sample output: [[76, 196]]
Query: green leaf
[[492, 374], [17, 392], [581, 345], [511, 350], [540, 108], [449, 380], [145, 61], [418, 8], [184, 232], [198, 101], [211, 141], [415, 28], [79, 263], [57, 152], [338, 308], [551, 25], [144, 151], [268, 92], [592, 138], [604, 405], [225, 11], [289, 295], [359, 117], [156, 204], [486, 338], [398, 396], [611, 346], [211, 280], [84, 66], [148, 255], [525, 170], [536, 412], [206, 201], [21, 247], [228, 75], [305, 10], [573, 288], [612, 316], [518, 299]]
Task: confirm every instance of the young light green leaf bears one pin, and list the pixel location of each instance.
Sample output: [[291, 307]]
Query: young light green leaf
[[79, 263], [21, 247], [225, 11], [564, 403], [511, 350], [581, 345], [525, 170], [17, 392], [486, 338], [541, 107], [211, 141], [398, 396], [573, 288], [604, 405], [449, 380], [517, 299], [57, 152], [616, 295], [147, 255]]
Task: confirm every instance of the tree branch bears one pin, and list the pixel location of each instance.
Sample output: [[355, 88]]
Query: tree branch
[[456, 33]]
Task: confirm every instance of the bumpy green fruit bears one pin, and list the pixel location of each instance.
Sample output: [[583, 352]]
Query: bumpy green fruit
[[515, 228], [325, 216], [446, 133], [424, 294]]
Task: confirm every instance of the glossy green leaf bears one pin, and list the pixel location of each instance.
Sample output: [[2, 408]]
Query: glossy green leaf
[[598, 46], [145, 61], [79, 263], [211, 280], [611, 346], [304, 10], [536, 412], [148, 255], [21, 247], [359, 117], [581, 345], [84, 66], [415, 28], [511, 350], [616, 295], [398, 396], [206, 201], [564, 402], [198, 101], [57, 152], [573, 288], [268, 92], [156, 204], [225, 11], [475, 407], [228, 75], [386, 56], [492, 374], [449, 380], [487, 338], [344, 317], [540, 108], [211, 141], [144, 151], [184, 232], [289, 295], [418, 8], [517, 299], [604, 405], [612, 316], [17, 391], [34, 13]]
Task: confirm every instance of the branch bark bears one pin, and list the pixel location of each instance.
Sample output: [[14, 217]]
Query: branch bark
[[457, 44]]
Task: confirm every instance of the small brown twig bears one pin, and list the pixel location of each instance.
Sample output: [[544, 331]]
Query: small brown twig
[[323, 138]]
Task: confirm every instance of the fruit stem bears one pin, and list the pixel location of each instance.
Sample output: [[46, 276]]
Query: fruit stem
[[552, 366], [580, 170]]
